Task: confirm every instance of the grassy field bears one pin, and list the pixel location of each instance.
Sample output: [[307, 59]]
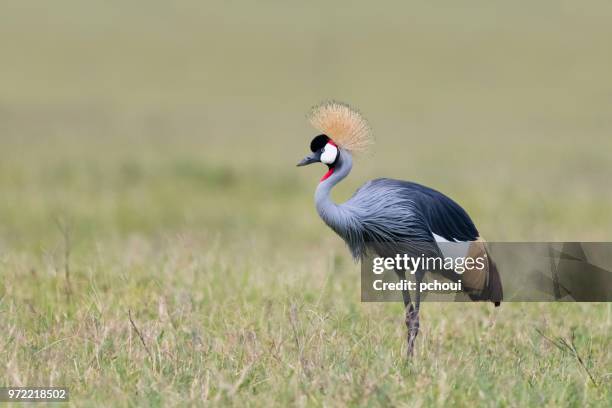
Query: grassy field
[[159, 247]]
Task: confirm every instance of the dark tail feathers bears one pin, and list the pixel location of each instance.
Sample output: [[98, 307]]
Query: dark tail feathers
[[493, 289]]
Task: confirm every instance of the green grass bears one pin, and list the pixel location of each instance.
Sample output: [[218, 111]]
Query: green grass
[[164, 141]]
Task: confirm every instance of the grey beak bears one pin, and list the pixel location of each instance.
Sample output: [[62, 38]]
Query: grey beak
[[311, 158]]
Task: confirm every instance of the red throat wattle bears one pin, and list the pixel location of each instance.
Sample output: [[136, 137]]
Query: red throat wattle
[[331, 169], [329, 173]]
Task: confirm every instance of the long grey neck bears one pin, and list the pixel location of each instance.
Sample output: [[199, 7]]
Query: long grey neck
[[334, 215]]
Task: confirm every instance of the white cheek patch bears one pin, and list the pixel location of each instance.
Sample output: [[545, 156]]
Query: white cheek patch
[[329, 154]]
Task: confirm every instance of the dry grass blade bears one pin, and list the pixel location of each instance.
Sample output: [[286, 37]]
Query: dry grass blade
[[64, 229], [140, 336], [569, 347]]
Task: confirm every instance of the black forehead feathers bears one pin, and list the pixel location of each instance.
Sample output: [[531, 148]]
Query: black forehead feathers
[[318, 142]]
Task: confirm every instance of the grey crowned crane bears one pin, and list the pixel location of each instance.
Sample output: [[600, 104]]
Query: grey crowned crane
[[386, 216]]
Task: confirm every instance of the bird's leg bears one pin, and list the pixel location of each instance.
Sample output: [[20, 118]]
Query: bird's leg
[[410, 327], [412, 321], [412, 316], [408, 308]]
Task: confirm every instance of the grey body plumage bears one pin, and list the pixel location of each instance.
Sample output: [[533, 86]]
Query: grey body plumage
[[386, 215]]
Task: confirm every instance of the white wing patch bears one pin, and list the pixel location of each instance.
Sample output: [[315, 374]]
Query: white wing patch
[[452, 249], [439, 238]]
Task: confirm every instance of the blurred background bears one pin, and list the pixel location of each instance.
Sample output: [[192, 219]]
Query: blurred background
[[157, 142], [127, 116]]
